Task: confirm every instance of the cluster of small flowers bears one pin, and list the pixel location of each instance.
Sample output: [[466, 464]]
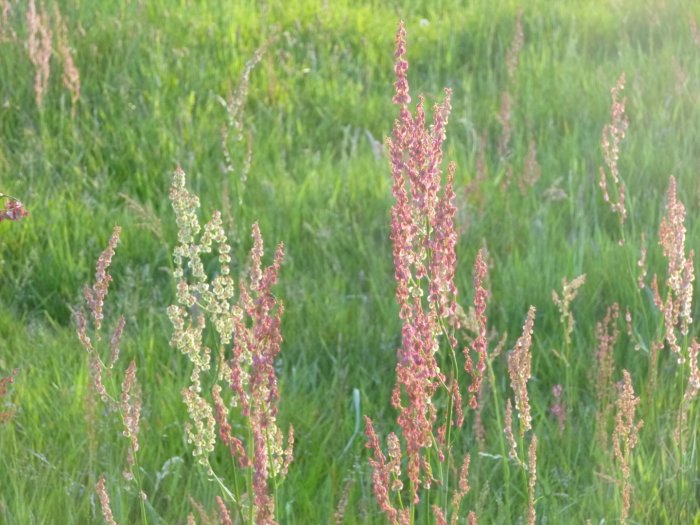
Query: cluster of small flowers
[[568, 294], [480, 343], [558, 408], [607, 333], [422, 231], [129, 402], [14, 210], [519, 365], [71, 75], [478, 426], [130, 407], [519, 370], [691, 391], [613, 134], [625, 436], [677, 308], [516, 46], [383, 472], [508, 433], [101, 489], [94, 300], [531, 170], [95, 296], [234, 105], [40, 48], [5, 382], [218, 516], [250, 327], [424, 239], [532, 480], [6, 31]]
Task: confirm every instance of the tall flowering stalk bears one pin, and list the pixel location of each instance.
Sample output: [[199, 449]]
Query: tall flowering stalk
[[40, 48], [613, 134], [128, 401], [234, 131], [678, 305], [625, 438], [512, 63], [71, 75], [424, 238], [607, 333], [568, 294], [519, 370], [248, 331], [509, 101]]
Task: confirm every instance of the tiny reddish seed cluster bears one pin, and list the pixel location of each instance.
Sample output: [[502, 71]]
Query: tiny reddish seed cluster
[[14, 210], [5, 382]]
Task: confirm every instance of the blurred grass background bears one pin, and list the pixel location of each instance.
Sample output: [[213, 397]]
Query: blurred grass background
[[318, 109]]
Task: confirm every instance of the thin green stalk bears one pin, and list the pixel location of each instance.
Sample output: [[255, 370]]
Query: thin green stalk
[[251, 454], [499, 423], [448, 440], [450, 408], [412, 505], [141, 494], [236, 489]]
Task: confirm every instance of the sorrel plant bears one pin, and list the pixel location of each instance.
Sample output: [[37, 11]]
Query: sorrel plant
[[424, 238], [242, 375], [101, 366]]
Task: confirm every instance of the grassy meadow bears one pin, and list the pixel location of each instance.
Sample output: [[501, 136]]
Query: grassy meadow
[[155, 77]]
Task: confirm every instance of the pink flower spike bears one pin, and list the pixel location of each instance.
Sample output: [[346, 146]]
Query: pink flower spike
[[402, 96]]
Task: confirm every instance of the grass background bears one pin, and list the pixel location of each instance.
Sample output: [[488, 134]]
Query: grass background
[[152, 73]]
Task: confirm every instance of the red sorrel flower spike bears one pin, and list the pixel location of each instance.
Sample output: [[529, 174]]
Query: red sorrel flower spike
[[401, 68]]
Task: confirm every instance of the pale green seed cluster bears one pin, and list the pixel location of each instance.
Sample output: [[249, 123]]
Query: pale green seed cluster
[[201, 431], [187, 337], [245, 325]]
